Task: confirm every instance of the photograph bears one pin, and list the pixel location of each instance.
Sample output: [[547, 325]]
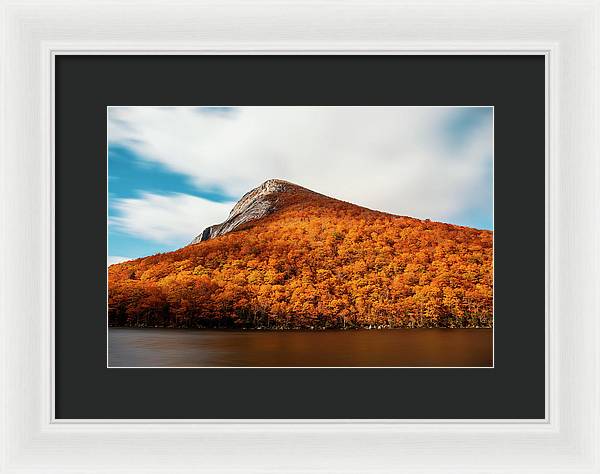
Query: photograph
[[300, 236]]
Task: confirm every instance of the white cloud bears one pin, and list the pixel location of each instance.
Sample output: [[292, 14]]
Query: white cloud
[[393, 159], [112, 259], [169, 219]]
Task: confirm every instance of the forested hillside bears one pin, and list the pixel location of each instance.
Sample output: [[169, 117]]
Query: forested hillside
[[313, 262]]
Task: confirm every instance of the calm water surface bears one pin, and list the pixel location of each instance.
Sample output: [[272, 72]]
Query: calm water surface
[[153, 347]]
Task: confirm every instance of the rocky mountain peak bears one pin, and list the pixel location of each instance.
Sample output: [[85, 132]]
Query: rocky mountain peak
[[259, 202]]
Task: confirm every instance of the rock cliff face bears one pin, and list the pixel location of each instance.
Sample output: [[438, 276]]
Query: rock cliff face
[[253, 205]]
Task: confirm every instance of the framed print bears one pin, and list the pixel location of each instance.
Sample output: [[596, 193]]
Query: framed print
[[300, 287], [234, 242]]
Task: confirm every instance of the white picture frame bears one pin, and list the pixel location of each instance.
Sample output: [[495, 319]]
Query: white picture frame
[[566, 33]]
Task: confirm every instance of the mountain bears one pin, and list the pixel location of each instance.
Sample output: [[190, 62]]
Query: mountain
[[288, 257]]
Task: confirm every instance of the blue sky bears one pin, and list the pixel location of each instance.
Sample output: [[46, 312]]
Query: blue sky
[[172, 171]]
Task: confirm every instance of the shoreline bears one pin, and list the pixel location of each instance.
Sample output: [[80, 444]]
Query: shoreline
[[296, 329]]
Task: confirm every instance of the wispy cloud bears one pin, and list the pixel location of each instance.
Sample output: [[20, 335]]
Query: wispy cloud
[[170, 219], [112, 259], [395, 159]]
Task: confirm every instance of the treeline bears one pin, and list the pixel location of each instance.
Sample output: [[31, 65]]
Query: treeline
[[318, 263]]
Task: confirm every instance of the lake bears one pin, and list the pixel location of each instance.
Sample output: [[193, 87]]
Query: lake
[[159, 347]]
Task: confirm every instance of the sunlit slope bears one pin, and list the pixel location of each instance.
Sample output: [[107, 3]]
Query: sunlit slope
[[313, 262]]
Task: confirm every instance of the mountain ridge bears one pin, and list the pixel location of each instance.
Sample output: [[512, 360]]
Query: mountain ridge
[[289, 258]]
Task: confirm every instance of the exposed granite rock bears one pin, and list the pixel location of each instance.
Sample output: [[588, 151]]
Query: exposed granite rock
[[253, 205]]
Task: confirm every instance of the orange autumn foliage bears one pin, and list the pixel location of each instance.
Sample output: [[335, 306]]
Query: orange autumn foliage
[[314, 263]]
